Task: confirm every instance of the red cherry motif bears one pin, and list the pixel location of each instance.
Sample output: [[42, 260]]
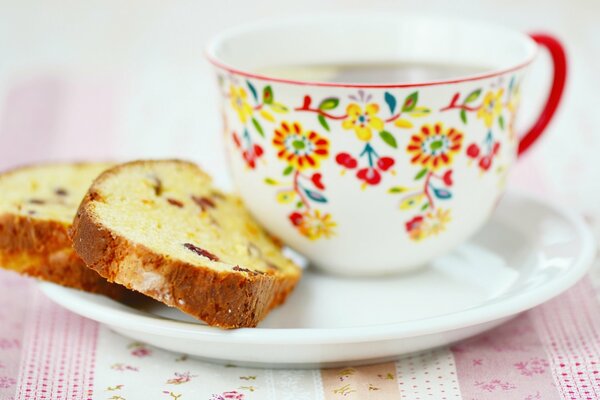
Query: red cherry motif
[[316, 180], [447, 178], [258, 151], [385, 163], [352, 163], [346, 160], [485, 163], [369, 175], [296, 218], [473, 151], [496, 148]]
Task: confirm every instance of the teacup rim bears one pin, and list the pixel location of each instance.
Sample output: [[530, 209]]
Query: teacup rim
[[215, 41]]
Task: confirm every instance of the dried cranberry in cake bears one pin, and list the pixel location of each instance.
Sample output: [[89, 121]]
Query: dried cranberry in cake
[[175, 202], [157, 185], [61, 192], [201, 252], [204, 202]]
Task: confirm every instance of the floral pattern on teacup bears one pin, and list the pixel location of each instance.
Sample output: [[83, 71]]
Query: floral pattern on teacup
[[301, 187], [376, 124]]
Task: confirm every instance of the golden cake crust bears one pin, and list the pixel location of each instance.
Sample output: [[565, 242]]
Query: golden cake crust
[[226, 298]]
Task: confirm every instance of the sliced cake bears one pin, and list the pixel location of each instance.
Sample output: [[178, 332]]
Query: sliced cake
[[37, 206], [163, 229]]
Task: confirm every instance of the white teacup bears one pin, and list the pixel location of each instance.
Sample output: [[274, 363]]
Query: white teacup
[[372, 178]]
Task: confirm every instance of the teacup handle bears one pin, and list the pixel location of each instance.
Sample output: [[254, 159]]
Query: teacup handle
[[559, 61]]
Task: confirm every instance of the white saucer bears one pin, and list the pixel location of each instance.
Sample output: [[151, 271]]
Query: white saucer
[[529, 252]]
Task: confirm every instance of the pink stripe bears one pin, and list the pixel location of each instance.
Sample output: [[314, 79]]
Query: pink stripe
[[58, 355], [13, 289], [50, 118], [506, 363], [570, 334]]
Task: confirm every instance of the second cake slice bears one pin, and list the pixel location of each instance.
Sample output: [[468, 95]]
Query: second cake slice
[[161, 228]]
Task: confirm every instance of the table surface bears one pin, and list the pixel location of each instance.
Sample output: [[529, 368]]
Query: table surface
[[118, 80]]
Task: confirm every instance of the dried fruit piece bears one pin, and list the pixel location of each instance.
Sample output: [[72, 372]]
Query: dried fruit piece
[[61, 192], [37, 201], [175, 202], [204, 202], [157, 185], [201, 252]]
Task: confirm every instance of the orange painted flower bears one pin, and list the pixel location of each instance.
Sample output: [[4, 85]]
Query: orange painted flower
[[363, 122], [434, 146], [430, 224], [313, 225], [299, 148], [491, 107], [239, 102]]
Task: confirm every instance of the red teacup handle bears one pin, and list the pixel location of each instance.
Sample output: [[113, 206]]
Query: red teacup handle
[[559, 61]]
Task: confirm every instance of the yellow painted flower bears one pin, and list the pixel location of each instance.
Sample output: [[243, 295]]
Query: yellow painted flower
[[315, 225], [491, 107], [431, 224], [434, 146], [299, 148], [239, 102], [363, 122]]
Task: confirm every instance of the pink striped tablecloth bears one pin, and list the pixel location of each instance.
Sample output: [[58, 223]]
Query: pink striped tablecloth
[[46, 352]]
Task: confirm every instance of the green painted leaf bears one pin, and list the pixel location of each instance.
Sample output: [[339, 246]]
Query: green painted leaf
[[329, 103], [425, 207], [258, 127], [270, 181], [396, 189], [299, 204], [323, 122], [474, 95], [288, 170], [410, 102], [501, 122], [267, 95], [389, 139], [421, 174], [390, 99], [463, 116], [252, 90], [278, 108]]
